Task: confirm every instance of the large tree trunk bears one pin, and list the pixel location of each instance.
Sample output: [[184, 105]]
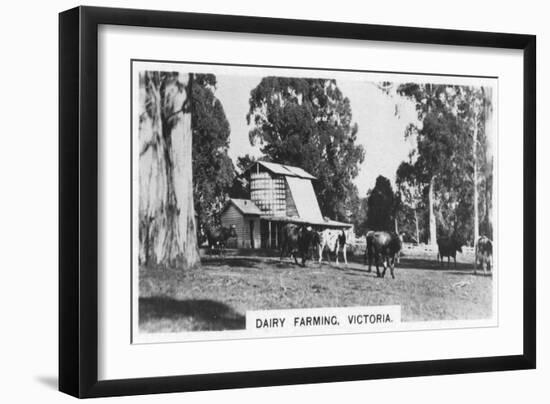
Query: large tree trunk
[[167, 226], [416, 226], [476, 197], [433, 225], [488, 128]]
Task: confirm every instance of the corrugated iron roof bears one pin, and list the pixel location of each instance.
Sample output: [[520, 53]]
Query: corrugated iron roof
[[295, 219], [246, 206], [299, 172], [283, 169]]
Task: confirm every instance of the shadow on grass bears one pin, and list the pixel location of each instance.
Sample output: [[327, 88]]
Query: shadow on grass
[[420, 263], [211, 315], [348, 270], [470, 272], [252, 262], [406, 264], [233, 262]]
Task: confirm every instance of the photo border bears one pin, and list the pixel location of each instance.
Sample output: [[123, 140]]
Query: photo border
[[134, 294], [78, 200]]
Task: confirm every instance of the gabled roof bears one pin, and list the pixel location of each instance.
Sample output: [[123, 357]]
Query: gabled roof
[[245, 206], [325, 223], [283, 169]]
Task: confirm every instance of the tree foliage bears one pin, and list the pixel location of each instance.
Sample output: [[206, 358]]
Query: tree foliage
[[381, 206], [244, 162], [308, 123], [412, 204], [474, 108], [240, 188], [444, 157], [213, 170], [359, 218]]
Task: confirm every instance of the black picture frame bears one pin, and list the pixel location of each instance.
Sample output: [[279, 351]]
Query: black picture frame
[[78, 200]]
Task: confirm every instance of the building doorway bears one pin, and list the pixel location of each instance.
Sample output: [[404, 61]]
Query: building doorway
[[251, 234]]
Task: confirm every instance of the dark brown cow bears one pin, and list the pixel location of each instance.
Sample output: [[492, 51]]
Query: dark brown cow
[[382, 246], [218, 236], [484, 254], [448, 247], [297, 240]]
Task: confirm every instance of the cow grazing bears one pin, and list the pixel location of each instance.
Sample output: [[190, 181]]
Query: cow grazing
[[484, 254], [335, 241], [218, 236], [296, 240], [384, 247], [448, 247]]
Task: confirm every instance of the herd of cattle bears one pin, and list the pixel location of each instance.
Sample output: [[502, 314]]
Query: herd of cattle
[[382, 247]]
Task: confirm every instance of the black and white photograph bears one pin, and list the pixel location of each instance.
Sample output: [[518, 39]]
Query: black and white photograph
[[275, 201]]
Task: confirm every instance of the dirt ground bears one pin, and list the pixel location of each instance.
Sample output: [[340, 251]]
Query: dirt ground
[[216, 295]]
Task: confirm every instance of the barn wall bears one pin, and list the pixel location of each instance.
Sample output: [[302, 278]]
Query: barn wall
[[232, 216]]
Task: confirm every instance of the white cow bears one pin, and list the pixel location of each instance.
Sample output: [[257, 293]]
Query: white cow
[[335, 240]]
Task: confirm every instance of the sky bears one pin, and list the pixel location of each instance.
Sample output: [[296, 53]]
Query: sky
[[381, 130]]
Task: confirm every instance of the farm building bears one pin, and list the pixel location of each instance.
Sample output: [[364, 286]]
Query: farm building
[[279, 194], [245, 216]]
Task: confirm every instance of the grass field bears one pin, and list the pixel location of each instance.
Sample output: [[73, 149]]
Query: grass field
[[216, 295]]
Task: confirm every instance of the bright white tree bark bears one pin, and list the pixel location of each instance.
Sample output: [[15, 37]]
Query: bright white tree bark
[[416, 226], [167, 229], [476, 197], [433, 224]]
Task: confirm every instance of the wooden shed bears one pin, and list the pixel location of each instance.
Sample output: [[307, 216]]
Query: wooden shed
[[245, 216]]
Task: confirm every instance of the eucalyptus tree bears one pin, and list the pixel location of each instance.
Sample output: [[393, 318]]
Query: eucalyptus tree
[[435, 138], [475, 108], [167, 228], [308, 123], [381, 205], [410, 193], [451, 148], [213, 170]]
